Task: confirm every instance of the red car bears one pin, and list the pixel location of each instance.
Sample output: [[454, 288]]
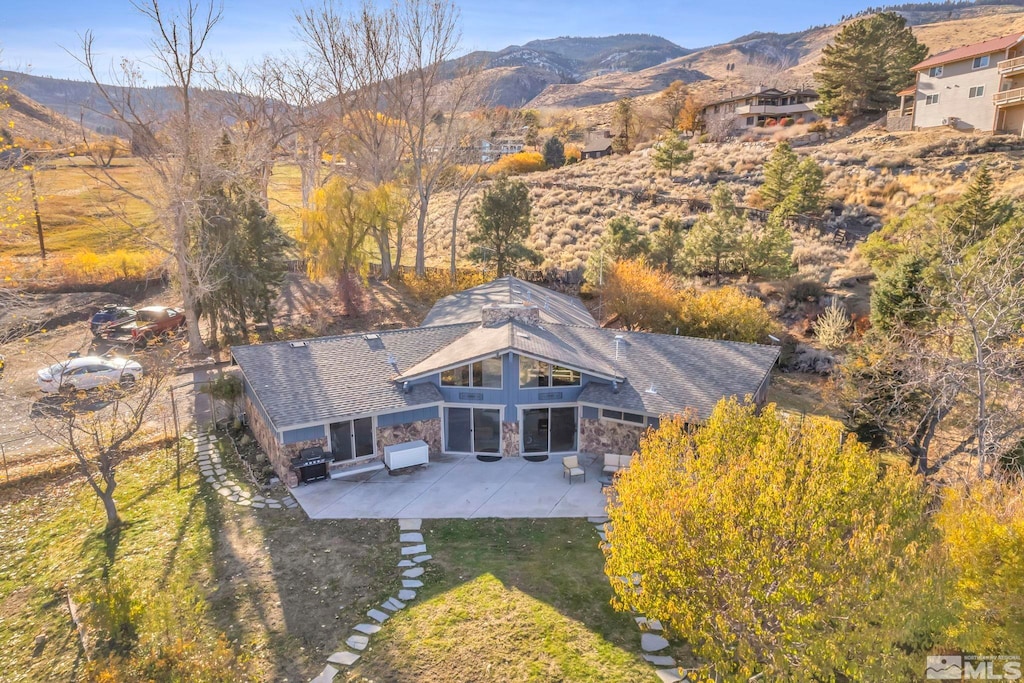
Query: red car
[[149, 323]]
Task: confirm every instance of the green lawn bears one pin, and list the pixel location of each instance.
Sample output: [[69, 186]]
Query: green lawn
[[509, 600], [193, 583]]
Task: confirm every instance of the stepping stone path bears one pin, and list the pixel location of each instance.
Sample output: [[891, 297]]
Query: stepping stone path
[[210, 466], [412, 539], [650, 640]]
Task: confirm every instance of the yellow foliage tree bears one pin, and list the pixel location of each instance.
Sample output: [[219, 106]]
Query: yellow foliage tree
[[642, 297], [517, 164], [725, 313], [777, 548], [983, 540]]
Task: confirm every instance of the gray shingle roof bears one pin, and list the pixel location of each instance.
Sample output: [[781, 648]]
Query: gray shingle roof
[[333, 377], [465, 306], [684, 372], [542, 342]]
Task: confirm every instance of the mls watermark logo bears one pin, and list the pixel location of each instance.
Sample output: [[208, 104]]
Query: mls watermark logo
[[945, 668], [973, 668]]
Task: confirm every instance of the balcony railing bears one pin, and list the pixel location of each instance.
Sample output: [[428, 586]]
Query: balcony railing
[[1008, 97], [1008, 66], [775, 109]]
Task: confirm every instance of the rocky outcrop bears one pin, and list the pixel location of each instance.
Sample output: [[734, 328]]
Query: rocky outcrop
[[605, 436]]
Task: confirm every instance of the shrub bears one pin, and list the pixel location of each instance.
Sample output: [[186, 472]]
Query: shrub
[[522, 162], [437, 284], [818, 127], [833, 326], [725, 313], [805, 289]]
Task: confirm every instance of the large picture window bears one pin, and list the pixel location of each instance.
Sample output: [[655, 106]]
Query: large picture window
[[485, 374], [537, 373]]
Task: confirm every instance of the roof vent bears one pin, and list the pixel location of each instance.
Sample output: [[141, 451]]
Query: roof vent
[[618, 340], [651, 389], [298, 344], [374, 342], [523, 335], [393, 362]]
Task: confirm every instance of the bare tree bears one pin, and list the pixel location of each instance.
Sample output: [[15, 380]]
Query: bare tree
[[178, 145], [98, 429]]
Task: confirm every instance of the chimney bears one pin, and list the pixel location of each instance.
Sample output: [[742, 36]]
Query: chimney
[[499, 314]]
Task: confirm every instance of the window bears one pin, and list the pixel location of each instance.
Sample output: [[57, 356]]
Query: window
[[750, 120], [537, 373], [621, 416], [935, 72], [981, 62], [484, 374], [976, 91], [931, 99]]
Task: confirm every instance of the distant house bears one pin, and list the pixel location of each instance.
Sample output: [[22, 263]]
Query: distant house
[[976, 87], [495, 148], [755, 109], [506, 369], [597, 144]]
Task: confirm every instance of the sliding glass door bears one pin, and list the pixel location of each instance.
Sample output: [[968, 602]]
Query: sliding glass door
[[472, 430], [549, 430], [352, 439]]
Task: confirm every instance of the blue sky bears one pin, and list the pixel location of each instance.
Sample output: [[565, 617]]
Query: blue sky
[[34, 33]]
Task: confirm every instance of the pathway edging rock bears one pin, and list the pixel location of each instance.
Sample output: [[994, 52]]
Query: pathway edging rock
[[215, 474], [412, 538], [651, 640]]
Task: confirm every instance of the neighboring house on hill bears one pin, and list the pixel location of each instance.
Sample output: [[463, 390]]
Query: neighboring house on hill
[[596, 145], [506, 369], [754, 109], [976, 87], [494, 149]]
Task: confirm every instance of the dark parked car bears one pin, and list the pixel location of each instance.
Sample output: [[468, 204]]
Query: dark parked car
[[110, 314], [146, 325]]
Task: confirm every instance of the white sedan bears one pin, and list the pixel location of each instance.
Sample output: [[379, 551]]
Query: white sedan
[[88, 372]]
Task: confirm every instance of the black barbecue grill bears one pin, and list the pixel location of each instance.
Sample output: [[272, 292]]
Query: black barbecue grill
[[310, 464]]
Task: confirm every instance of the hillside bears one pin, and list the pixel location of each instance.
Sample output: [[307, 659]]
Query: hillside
[[781, 59], [34, 123]]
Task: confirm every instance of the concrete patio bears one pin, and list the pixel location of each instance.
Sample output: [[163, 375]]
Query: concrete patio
[[460, 487]]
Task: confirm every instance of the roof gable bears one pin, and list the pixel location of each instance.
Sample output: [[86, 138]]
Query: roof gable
[[466, 306]]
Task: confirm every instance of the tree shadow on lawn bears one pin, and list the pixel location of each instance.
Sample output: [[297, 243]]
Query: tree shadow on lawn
[[469, 619]]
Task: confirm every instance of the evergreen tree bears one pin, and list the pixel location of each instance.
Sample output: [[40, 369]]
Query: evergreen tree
[[623, 239], [502, 226], [624, 119], [671, 152], [867, 64], [554, 153], [778, 175], [765, 250], [667, 243], [977, 212], [805, 194], [712, 244], [897, 298]]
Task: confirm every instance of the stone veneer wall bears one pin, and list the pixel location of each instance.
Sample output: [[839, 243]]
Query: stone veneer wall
[[426, 430], [603, 436], [280, 455], [510, 439]]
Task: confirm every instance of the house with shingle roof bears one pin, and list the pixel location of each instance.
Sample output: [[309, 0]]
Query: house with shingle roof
[[506, 369], [975, 87]]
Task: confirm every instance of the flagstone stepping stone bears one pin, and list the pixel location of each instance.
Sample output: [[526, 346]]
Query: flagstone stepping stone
[[669, 675], [406, 595], [640, 621], [245, 494], [413, 573], [274, 506], [412, 537], [597, 520], [411, 583], [233, 498], [422, 558], [603, 535], [394, 605], [358, 642], [650, 642], [259, 498], [326, 676], [220, 470], [377, 615], [406, 563], [343, 658], [224, 492], [258, 505], [368, 629], [660, 660], [414, 549], [210, 480], [654, 624], [290, 503], [244, 502], [409, 524]]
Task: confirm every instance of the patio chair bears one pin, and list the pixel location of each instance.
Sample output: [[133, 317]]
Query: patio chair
[[571, 464]]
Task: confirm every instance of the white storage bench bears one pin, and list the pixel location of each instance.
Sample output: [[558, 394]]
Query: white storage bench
[[406, 454]]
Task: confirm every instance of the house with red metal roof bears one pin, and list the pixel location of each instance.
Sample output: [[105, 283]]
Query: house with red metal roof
[[975, 87]]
